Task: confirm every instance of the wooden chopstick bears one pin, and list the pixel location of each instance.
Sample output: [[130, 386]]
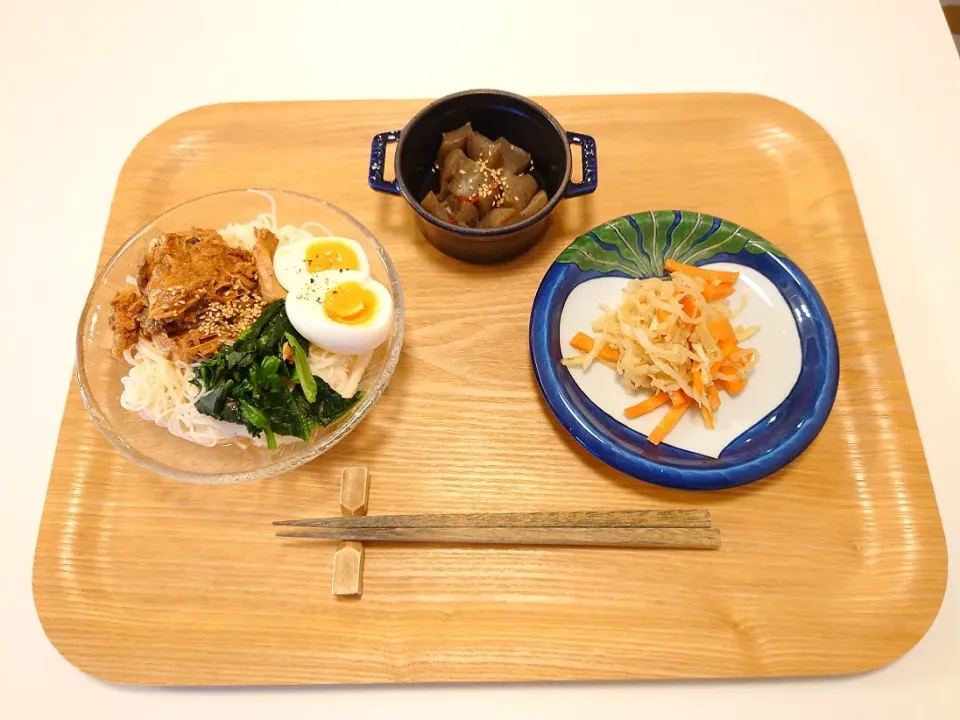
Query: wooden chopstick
[[692, 538], [578, 519]]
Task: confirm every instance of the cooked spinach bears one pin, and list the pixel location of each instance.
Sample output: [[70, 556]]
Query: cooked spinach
[[249, 383], [302, 365]]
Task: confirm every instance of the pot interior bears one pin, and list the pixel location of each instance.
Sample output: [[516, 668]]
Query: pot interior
[[494, 115]]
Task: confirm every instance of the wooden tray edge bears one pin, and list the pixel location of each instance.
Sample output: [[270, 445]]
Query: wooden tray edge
[[187, 117]]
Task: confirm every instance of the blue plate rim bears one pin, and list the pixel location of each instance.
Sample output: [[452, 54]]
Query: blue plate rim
[[565, 399]]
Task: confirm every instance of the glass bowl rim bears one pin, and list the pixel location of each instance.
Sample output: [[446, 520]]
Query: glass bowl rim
[[311, 450]]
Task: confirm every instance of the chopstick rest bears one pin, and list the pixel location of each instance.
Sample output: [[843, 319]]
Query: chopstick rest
[[348, 559]]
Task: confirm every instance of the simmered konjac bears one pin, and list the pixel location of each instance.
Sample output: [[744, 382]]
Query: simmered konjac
[[483, 183]]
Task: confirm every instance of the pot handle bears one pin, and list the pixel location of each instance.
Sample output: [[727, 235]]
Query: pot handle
[[378, 158], [588, 148]]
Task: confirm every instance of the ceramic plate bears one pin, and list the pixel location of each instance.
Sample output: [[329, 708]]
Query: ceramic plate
[[790, 391]]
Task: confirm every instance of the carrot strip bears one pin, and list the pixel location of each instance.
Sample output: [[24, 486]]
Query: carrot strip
[[727, 350], [689, 306], [678, 397], [584, 343], [727, 369], [732, 386], [742, 356], [715, 292], [707, 417], [714, 397], [662, 315], [722, 331], [642, 408], [667, 423], [724, 276], [697, 380]]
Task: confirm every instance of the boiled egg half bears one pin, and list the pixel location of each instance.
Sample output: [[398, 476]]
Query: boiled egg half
[[295, 263], [341, 311]]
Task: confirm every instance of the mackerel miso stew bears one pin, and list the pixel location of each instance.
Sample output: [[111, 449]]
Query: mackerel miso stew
[[484, 183]]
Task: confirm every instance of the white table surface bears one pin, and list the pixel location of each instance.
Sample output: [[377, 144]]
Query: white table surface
[[80, 83]]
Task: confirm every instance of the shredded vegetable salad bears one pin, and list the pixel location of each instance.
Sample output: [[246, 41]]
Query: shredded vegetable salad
[[674, 338]]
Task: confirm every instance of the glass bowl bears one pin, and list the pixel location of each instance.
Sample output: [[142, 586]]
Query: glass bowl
[[152, 446]]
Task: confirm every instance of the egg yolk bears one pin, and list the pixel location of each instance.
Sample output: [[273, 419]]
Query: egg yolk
[[327, 255], [350, 303]]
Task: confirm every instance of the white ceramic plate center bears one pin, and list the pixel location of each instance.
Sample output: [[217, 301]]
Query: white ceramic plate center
[[770, 382]]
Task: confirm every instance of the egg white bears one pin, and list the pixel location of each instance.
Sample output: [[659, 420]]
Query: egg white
[[306, 312], [290, 264]]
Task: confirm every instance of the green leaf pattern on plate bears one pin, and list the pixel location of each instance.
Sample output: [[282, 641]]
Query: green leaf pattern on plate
[[637, 245]]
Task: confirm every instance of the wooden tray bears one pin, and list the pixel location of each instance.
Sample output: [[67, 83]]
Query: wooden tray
[[835, 565]]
